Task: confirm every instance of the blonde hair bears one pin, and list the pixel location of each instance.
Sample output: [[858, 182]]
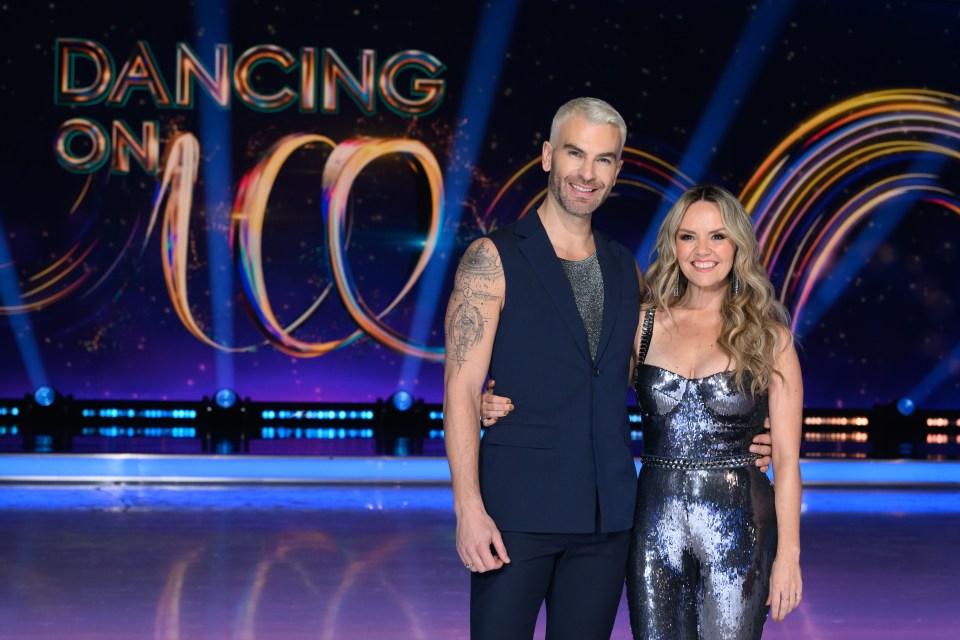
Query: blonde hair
[[754, 321], [592, 110]]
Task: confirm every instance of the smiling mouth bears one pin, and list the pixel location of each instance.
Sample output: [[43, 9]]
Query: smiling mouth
[[581, 189], [704, 265]]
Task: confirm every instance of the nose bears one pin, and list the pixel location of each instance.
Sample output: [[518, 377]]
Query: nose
[[703, 246], [586, 171]]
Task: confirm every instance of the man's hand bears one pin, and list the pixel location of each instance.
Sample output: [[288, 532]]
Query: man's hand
[[763, 445], [479, 542], [493, 407]]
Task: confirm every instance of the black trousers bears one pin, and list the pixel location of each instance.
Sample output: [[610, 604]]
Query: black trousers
[[579, 575]]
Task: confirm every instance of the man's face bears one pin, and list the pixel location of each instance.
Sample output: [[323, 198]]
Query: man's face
[[583, 163]]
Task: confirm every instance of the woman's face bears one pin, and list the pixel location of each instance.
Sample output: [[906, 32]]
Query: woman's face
[[704, 248]]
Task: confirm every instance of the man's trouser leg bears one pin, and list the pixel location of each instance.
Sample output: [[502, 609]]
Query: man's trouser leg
[[582, 573], [587, 585]]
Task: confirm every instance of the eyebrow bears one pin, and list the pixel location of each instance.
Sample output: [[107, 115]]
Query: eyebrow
[[724, 229], [608, 154]]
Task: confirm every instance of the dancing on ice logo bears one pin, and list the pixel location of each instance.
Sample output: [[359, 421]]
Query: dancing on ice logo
[[316, 80]]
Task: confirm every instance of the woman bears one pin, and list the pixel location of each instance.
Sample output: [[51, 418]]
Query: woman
[[712, 544], [713, 547]]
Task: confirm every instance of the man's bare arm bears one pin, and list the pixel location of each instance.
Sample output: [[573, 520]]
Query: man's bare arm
[[470, 326]]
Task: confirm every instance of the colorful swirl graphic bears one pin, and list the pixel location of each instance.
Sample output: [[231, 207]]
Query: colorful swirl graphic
[[808, 196], [67, 265], [65, 274], [838, 168], [343, 166]]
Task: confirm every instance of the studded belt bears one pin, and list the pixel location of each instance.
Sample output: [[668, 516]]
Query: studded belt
[[720, 462]]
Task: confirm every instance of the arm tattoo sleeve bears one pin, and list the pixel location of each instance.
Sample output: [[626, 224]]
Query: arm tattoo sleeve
[[479, 270]]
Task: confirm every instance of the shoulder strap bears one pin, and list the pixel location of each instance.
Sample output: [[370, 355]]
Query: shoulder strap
[[645, 333]]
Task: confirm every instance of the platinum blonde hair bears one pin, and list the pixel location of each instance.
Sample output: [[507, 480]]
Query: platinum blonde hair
[[754, 321], [592, 110]]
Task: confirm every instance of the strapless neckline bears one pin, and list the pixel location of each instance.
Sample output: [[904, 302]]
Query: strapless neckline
[[683, 377]]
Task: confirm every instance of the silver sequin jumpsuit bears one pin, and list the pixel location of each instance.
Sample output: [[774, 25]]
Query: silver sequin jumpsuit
[[705, 532]]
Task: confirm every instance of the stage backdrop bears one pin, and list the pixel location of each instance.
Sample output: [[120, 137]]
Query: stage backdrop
[[273, 196]]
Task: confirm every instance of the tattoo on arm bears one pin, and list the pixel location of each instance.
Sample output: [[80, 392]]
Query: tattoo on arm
[[465, 329], [479, 262], [478, 270]]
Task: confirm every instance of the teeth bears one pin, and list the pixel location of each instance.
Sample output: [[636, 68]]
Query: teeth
[[581, 189], [704, 265]]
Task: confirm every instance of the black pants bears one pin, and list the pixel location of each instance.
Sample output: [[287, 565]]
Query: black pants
[[579, 575]]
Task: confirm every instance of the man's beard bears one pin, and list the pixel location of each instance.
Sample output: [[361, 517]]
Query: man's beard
[[573, 207]]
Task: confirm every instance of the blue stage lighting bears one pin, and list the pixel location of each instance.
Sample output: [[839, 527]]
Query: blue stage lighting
[[490, 44], [402, 400], [906, 406], [45, 396], [226, 398]]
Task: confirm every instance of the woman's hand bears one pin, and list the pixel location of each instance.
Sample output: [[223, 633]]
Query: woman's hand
[[786, 588], [493, 407]]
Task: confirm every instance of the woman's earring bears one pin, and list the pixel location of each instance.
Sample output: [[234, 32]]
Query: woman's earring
[[736, 284], [676, 287]]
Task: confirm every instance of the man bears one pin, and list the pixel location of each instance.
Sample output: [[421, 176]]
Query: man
[[548, 307]]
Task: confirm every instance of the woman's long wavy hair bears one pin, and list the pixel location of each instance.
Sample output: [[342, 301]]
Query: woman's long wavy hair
[[753, 319]]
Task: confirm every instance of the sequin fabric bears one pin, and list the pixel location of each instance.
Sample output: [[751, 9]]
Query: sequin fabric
[[703, 540], [586, 280]]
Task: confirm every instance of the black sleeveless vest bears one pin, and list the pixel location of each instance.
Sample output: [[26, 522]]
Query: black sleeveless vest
[[561, 461]]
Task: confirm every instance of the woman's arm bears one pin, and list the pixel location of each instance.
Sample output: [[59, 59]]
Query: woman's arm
[[786, 411]]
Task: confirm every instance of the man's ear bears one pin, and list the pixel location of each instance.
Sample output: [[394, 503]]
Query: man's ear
[[546, 156]]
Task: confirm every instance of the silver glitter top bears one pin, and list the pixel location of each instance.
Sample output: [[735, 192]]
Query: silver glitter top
[[586, 280], [696, 418]]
